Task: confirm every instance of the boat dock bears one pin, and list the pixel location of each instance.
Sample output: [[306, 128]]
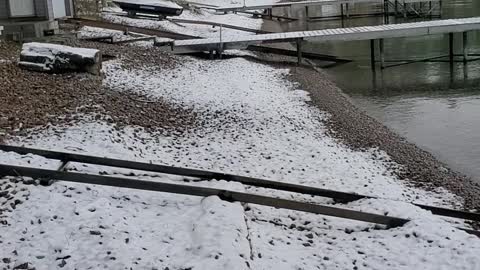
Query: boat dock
[[372, 33], [398, 8]]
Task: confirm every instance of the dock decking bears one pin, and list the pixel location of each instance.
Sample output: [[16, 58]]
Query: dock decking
[[345, 34], [372, 33]]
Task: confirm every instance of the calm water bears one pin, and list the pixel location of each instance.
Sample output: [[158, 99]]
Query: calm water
[[435, 105]]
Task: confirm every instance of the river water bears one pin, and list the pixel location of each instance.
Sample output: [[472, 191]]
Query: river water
[[433, 104]]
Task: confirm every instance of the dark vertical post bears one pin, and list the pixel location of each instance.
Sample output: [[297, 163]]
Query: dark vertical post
[[441, 8], [341, 15], [306, 12], [465, 47], [372, 54], [299, 51], [430, 10], [385, 11], [450, 46], [396, 8], [382, 54]]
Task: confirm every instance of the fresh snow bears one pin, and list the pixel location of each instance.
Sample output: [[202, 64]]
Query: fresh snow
[[207, 31], [255, 123], [51, 50], [265, 129]]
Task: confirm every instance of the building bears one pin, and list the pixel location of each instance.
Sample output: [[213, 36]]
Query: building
[[32, 18]]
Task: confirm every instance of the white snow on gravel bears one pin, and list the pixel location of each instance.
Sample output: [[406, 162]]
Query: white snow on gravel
[[255, 123], [206, 31]]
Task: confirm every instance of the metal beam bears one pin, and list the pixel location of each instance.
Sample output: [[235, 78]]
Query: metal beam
[[372, 54], [382, 53], [299, 51], [336, 195], [227, 195], [450, 47]]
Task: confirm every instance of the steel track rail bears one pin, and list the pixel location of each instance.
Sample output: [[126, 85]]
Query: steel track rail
[[336, 195], [227, 195]]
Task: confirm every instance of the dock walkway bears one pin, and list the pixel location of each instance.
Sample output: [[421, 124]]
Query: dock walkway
[[315, 3], [372, 33], [400, 7]]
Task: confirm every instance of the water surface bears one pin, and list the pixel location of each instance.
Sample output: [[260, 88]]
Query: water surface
[[434, 104]]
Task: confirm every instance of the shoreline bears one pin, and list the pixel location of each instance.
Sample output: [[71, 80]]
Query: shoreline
[[353, 126]]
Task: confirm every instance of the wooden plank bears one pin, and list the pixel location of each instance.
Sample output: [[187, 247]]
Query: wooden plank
[[227, 195], [337, 195]]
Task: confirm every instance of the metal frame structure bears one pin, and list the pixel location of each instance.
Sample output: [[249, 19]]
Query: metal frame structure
[[372, 33], [338, 196]]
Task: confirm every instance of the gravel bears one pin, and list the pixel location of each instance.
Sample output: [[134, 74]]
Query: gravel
[[32, 99], [360, 131]]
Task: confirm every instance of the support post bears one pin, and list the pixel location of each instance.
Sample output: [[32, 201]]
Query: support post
[[372, 54], [342, 15], [385, 12], [299, 51], [382, 54], [430, 10], [465, 47], [450, 47], [441, 7], [396, 8], [306, 12]]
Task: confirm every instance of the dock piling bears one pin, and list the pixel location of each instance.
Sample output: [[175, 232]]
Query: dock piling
[[450, 47], [372, 54], [382, 53], [465, 47], [299, 51]]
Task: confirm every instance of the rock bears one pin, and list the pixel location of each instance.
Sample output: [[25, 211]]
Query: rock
[[22, 266], [46, 57], [62, 263]]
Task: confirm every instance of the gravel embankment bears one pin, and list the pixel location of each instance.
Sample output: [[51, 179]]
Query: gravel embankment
[[360, 131], [31, 99]]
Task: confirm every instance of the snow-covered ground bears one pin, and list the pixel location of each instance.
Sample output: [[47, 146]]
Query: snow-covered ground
[[243, 20], [255, 123]]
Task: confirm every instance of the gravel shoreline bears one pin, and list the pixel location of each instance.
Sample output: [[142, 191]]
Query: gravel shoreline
[[354, 127], [32, 99]]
